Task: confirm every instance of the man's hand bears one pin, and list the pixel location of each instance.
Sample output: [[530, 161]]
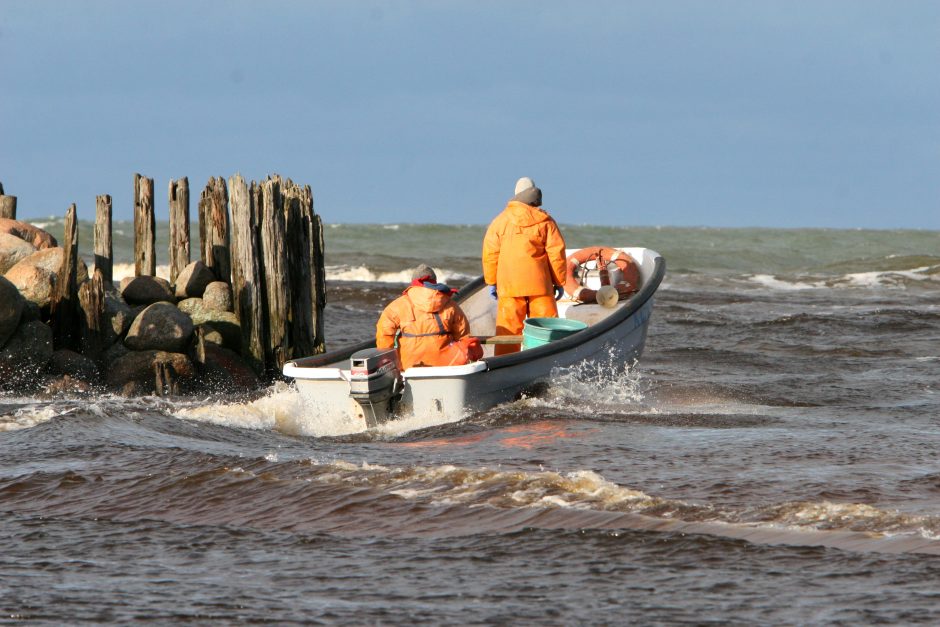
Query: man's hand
[[559, 292], [493, 292]]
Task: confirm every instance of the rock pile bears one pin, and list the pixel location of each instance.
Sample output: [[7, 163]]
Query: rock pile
[[155, 337]]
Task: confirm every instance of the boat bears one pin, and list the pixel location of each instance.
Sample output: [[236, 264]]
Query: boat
[[364, 384]]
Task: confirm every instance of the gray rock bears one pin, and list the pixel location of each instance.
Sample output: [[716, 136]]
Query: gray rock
[[12, 250], [225, 322], [210, 334], [193, 279], [162, 327], [192, 306], [24, 355], [146, 290], [135, 372], [218, 296], [118, 313], [11, 309]]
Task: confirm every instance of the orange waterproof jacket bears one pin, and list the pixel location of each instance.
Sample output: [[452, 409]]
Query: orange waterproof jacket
[[524, 252], [425, 322]]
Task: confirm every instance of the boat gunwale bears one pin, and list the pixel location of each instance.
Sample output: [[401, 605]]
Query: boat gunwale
[[634, 304]]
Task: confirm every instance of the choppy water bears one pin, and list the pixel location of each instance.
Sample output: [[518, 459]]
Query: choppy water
[[772, 459]]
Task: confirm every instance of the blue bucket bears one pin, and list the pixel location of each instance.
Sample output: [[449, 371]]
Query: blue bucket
[[539, 331]]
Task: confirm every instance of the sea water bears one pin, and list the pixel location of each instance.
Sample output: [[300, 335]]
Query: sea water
[[771, 459]]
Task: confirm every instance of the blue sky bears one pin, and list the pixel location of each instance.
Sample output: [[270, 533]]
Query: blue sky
[[720, 113]]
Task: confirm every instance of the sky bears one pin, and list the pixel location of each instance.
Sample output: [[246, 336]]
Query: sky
[[796, 113]]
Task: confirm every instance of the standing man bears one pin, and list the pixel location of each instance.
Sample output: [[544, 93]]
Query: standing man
[[523, 262]]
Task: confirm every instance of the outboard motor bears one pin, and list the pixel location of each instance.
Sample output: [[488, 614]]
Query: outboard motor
[[375, 383]]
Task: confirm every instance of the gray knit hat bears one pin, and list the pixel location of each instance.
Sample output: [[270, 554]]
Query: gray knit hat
[[527, 192], [424, 270]]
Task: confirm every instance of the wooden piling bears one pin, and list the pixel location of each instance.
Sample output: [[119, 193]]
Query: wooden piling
[[7, 206], [179, 226], [93, 320], [305, 270], [214, 229], [64, 305], [104, 258], [145, 260], [275, 275], [246, 276]]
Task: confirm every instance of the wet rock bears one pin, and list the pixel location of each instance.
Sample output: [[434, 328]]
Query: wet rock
[[218, 296], [138, 372], [146, 290], [162, 327], [11, 309], [12, 250], [193, 279], [68, 362], [65, 385], [118, 314], [210, 335], [24, 355], [225, 371], [27, 232]]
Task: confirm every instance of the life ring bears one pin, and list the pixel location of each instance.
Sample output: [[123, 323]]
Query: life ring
[[628, 283]]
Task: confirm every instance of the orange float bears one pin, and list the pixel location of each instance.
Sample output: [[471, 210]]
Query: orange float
[[628, 282]]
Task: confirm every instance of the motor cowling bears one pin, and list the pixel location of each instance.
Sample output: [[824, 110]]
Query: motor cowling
[[375, 382]]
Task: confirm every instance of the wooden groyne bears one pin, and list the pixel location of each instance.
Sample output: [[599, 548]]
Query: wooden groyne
[[251, 300]]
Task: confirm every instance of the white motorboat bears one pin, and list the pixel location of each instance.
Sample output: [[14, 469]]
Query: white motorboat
[[364, 384]]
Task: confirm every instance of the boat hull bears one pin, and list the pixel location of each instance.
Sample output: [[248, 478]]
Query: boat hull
[[613, 336]]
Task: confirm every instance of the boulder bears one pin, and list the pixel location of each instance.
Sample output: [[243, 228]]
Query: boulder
[[118, 314], [11, 309], [136, 372], [35, 276], [218, 296], [162, 327], [193, 279], [146, 290], [76, 366], [36, 284], [225, 322], [225, 371], [27, 351], [64, 385], [51, 259], [27, 232], [209, 334], [13, 249]]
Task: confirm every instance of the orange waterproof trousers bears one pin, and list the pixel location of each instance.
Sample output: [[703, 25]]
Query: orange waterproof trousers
[[511, 312]]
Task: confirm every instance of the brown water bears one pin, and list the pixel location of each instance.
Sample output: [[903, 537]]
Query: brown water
[[771, 460]]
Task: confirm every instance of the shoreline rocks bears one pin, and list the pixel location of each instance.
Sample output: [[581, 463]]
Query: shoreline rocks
[[145, 337]]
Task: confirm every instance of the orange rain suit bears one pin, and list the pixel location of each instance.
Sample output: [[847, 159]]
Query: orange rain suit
[[428, 330], [524, 257]]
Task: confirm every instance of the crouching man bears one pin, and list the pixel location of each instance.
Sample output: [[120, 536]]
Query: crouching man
[[426, 326]]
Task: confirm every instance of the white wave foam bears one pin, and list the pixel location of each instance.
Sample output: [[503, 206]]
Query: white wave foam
[[365, 274], [27, 417], [123, 270], [888, 278]]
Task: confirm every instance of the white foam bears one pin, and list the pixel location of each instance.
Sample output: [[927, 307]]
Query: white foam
[[364, 274], [27, 417]]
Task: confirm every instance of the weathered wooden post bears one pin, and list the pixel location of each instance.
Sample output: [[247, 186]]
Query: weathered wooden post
[[104, 258], [179, 226], [214, 229], [7, 206], [246, 276], [318, 277], [276, 277], [305, 268], [64, 305], [145, 261], [93, 320]]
